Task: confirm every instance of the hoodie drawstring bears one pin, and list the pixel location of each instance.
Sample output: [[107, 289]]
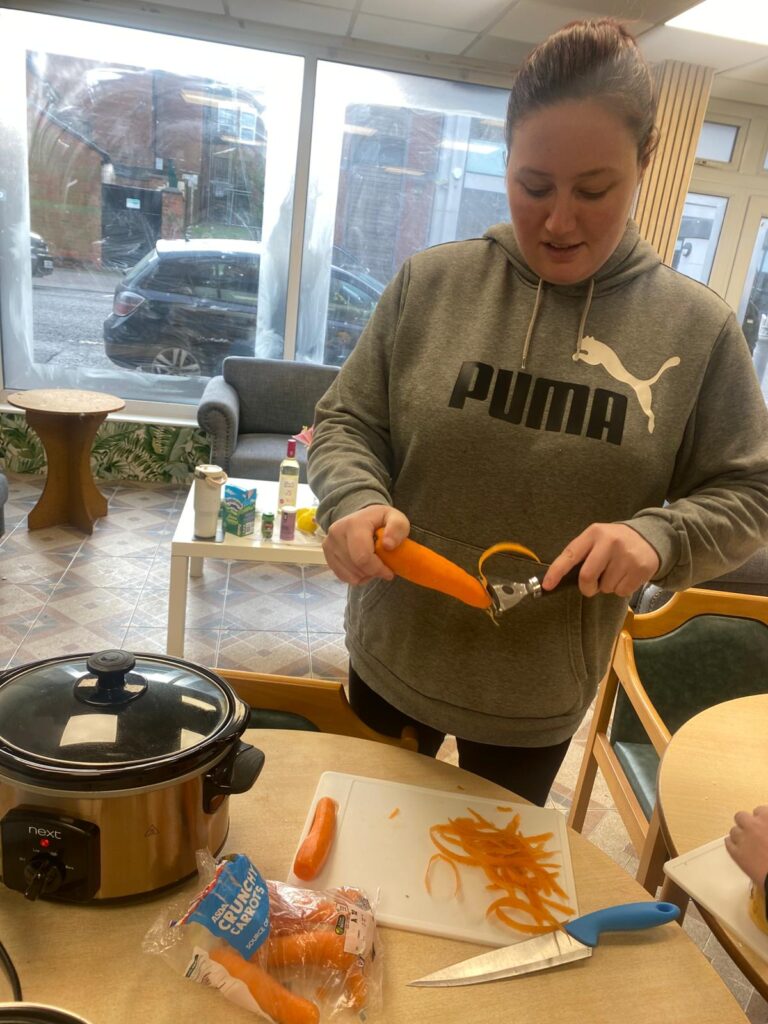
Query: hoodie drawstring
[[532, 323], [584, 315], [535, 313]]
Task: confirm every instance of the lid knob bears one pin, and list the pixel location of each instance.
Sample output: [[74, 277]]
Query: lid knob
[[114, 682]]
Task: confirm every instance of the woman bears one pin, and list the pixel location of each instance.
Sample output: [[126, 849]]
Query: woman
[[551, 383]]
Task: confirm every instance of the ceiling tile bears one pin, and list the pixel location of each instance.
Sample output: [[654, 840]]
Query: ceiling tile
[[501, 51], [411, 34], [293, 14], [457, 14], [653, 11], [697, 48], [531, 22], [206, 6]]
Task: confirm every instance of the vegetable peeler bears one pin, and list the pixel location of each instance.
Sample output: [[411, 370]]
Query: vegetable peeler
[[419, 564]]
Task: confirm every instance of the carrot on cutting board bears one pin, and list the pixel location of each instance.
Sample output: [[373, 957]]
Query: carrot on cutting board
[[314, 850], [273, 998], [421, 565]]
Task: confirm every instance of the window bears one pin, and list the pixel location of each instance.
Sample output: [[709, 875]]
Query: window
[[115, 141], [717, 142], [754, 303], [408, 163], [698, 236]]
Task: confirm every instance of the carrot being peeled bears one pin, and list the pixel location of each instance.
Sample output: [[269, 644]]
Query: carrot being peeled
[[421, 565], [273, 998], [314, 850]]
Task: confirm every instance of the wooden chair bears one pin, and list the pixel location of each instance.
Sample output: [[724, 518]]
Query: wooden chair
[[700, 648], [293, 702]]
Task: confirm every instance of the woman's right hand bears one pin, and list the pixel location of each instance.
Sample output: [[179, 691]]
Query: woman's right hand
[[348, 545]]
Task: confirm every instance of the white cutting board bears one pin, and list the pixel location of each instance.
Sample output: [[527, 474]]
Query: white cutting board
[[387, 856], [710, 876]]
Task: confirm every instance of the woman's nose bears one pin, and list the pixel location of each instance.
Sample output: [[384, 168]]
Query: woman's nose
[[561, 217]]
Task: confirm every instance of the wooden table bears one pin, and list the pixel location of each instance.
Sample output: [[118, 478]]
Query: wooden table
[[716, 764], [88, 959], [66, 422], [188, 552]]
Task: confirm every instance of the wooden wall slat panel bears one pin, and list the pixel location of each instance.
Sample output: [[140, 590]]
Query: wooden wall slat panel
[[683, 91]]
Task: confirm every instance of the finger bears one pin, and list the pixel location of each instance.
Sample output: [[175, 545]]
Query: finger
[[742, 818], [396, 529], [563, 564]]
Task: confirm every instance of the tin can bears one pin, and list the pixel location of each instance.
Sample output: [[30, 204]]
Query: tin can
[[287, 522], [267, 525]]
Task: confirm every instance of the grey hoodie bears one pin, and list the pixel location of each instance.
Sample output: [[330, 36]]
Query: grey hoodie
[[488, 405]]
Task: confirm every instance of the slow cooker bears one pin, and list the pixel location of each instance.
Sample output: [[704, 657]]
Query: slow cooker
[[36, 1013], [115, 769]]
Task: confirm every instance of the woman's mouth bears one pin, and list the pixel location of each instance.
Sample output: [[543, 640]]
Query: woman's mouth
[[559, 251]]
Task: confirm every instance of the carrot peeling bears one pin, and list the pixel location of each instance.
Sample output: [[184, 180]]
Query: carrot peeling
[[395, 812], [314, 850], [518, 866]]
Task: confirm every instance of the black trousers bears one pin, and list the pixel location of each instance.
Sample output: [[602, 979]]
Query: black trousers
[[527, 771]]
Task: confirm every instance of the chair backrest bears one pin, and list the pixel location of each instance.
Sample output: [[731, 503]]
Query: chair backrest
[[277, 396], [708, 657], [749, 578], [320, 702]]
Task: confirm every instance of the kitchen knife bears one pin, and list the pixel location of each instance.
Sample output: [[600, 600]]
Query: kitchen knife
[[574, 942]]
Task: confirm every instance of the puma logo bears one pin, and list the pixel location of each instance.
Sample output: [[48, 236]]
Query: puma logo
[[596, 353]]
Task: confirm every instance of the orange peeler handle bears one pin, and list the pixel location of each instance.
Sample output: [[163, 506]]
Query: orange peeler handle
[[421, 565]]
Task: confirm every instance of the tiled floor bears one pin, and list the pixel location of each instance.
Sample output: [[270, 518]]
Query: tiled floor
[[62, 592]]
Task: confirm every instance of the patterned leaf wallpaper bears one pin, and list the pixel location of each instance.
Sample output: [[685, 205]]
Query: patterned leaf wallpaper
[[121, 451]]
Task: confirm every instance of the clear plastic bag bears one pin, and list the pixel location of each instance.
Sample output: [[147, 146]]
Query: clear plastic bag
[[291, 955]]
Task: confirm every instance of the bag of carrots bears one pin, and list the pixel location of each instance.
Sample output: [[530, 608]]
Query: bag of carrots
[[291, 955]]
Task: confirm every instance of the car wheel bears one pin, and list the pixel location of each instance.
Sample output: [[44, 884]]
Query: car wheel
[[175, 361]]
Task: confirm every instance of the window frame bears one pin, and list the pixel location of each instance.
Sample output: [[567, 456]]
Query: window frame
[[742, 126]]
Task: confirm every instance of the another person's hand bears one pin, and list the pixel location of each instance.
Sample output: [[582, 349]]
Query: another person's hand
[[617, 560], [748, 843], [348, 545]]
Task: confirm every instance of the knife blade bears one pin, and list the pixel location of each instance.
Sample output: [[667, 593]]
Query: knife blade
[[574, 942]]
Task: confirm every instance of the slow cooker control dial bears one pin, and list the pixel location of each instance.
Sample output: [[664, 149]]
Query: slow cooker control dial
[[43, 874]]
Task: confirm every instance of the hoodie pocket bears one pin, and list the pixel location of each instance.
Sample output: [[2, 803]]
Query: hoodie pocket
[[529, 665]]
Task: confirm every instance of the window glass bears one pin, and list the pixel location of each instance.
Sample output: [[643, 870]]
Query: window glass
[[753, 308], [717, 141], [698, 235], [114, 140], [408, 163]]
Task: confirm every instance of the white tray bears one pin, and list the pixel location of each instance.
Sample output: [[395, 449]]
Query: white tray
[[387, 856], [710, 876]]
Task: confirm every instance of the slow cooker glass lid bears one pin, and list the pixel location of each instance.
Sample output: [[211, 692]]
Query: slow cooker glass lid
[[115, 713]]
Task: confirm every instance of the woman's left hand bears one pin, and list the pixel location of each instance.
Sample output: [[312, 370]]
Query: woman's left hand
[[617, 560]]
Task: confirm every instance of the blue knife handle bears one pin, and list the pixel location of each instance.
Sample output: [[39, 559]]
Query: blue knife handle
[[627, 917]]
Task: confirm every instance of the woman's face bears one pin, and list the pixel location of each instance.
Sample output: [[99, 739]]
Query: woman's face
[[572, 173]]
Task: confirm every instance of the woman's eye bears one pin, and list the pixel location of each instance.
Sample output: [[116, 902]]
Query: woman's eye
[[593, 195], [537, 193]]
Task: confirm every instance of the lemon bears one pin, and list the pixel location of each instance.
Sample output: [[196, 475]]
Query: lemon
[[305, 520]]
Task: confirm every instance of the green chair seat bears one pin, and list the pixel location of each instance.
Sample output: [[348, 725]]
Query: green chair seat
[[641, 765], [266, 718]]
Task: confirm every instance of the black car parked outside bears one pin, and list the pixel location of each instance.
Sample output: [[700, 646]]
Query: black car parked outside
[[42, 261], [188, 304]]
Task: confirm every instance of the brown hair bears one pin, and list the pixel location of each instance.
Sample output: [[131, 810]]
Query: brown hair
[[597, 59]]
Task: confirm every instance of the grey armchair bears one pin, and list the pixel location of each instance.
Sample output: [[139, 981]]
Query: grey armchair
[[251, 410]]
